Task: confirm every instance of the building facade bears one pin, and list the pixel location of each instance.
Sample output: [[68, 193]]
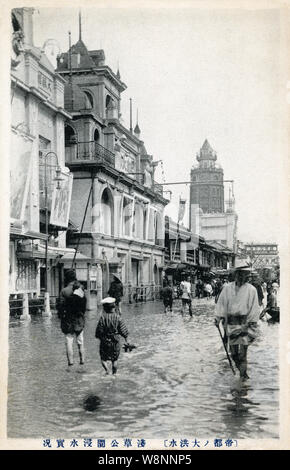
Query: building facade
[[262, 255], [210, 215], [187, 253], [36, 158], [117, 207]]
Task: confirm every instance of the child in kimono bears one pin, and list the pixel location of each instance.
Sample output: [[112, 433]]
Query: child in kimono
[[109, 329]]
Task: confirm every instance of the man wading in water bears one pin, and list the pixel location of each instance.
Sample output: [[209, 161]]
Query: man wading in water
[[238, 309]]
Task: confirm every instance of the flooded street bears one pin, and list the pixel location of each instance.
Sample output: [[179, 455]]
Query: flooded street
[[177, 382]]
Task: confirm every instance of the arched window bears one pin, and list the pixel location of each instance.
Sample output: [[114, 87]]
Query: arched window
[[159, 235], [127, 216], [89, 102], [69, 135], [107, 213], [96, 135], [70, 140], [111, 107], [108, 100], [138, 221], [155, 272]]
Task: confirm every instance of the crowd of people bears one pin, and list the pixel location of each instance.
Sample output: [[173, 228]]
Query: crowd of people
[[241, 300], [211, 287]]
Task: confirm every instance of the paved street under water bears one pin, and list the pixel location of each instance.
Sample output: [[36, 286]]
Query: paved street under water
[[177, 382]]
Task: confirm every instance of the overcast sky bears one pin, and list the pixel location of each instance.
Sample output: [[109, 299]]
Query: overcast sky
[[195, 74]]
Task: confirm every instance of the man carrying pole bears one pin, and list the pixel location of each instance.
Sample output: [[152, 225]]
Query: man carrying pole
[[238, 309]]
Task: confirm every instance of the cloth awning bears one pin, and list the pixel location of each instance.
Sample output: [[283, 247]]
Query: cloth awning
[[176, 266], [18, 232], [174, 230], [69, 256]]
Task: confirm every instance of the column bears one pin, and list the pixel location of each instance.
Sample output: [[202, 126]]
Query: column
[[25, 312]]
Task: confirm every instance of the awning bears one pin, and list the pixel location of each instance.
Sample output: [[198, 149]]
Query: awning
[[174, 230], [176, 266], [69, 256], [115, 260], [17, 232]]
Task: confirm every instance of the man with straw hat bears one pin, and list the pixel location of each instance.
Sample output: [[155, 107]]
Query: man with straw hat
[[238, 309]]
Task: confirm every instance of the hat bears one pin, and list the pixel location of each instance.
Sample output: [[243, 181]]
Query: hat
[[108, 300], [117, 277], [242, 265], [70, 275]]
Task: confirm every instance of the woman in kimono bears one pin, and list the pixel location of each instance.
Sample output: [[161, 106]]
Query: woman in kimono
[[109, 329], [238, 309]]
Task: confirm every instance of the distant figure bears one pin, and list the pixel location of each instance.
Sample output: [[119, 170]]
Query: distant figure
[[116, 291], [109, 329], [73, 321], [273, 307], [208, 290], [199, 288], [167, 296], [186, 295], [256, 283], [218, 289], [265, 297]]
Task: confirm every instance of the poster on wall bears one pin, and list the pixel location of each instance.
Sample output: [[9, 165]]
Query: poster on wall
[[20, 173], [61, 199]]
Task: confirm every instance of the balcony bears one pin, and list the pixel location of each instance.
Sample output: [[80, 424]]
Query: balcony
[[157, 188], [92, 151]]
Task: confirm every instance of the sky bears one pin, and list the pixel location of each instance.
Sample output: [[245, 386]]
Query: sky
[[195, 74]]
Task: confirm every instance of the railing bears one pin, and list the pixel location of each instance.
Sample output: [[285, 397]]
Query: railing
[[89, 151], [157, 188], [36, 304], [144, 293]]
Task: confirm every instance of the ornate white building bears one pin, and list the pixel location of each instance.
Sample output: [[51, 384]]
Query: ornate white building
[[36, 156], [117, 207]]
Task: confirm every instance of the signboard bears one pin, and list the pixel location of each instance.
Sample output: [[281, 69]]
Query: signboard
[[20, 172], [61, 199]]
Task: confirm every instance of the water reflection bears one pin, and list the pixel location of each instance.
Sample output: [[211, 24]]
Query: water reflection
[[176, 382]]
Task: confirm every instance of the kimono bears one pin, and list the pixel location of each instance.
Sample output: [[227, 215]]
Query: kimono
[[240, 309], [109, 328]]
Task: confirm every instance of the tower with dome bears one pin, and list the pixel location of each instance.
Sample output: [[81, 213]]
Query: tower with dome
[[210, 215]]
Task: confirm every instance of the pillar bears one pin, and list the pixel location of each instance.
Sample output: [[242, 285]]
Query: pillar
[[47, 311], [25, 312]]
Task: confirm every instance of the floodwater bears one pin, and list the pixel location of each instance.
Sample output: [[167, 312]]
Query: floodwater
[[177, 382]]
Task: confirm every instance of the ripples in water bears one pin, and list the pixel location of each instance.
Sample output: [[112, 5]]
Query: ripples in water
[[177, 382]]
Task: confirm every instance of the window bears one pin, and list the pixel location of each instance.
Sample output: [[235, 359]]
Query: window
[[127, 216], [47, 166], [107, 213], [89, 102], [138, 228]]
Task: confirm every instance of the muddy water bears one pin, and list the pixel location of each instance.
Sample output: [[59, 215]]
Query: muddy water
[[177, 381]]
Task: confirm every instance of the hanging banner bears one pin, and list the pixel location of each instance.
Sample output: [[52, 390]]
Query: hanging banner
[[61, 200], [181, 209], [20, 174]]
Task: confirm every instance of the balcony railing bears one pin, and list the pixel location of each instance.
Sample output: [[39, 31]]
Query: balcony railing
[[157, 188], [88, 151]]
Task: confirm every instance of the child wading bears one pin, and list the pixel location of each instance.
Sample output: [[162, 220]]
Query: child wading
[[109, 329]]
